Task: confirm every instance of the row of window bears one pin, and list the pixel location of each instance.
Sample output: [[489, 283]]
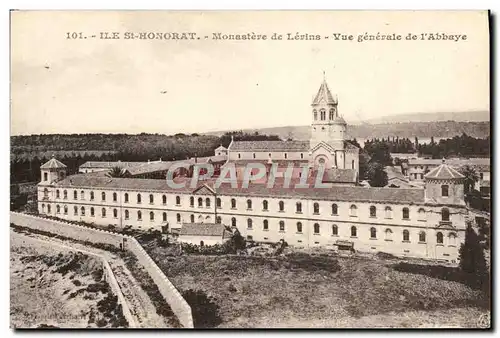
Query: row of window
[[322, 114], [353, 209], [285, 155]]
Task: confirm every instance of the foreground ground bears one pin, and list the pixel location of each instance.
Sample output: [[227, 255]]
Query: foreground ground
[[314, 291], [51, 286]]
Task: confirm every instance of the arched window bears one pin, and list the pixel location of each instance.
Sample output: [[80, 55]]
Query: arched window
[[82, 211], [91, 195], [58, 209], [75, 210], [445, 214], [299, 227], [139, 198], [354, 231], [439, 238], [200, 202], [286, 155], [75, 195], [57, 193], [332, 114], [253, 155], [126, 197], [103, 212], [233, 203], [406, 236], [151, 216], [233, 222], [218, 202], [282, 226], [207, 202], [323, 115], [335, 230], [43, 207], [373, 211], [115, 197], [388, 234], [354, 210], [249, 223], [452, 239], [281, 205], [103, 194], [178, 200], [388, 212], [82, 194], [421, 236], [46, 176], [373, 232], [192, 218], [191, 201], [151, 199], [65, 209], [421, 214], [264, 205], [316, 208], [315, 113], [445, 190], [265, 225], [115, 213], [164, 199], [48, 208], [299, 207], [335, 209], [316, 228], [178, 218], [218, 220], [352, 164], [139, 215], [164, 217], [65, 194], [406, 213], [249, 204], [127, 214]]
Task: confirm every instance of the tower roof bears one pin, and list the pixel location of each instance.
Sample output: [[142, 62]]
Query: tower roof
[[444, 172], [324, 94], [53, 164]]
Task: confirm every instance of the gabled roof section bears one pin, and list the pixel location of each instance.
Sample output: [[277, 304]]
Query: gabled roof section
[[325, 95], [204, 229], [204, 190], [322, 144], [444, 172], [336, 175], [221, 147], [269, 146], [53, 164]]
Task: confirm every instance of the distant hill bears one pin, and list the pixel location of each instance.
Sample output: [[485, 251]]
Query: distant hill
[[440, 129], [467, 116]]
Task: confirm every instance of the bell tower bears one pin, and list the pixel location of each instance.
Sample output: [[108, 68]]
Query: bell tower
[[52, 171], [327, 125]]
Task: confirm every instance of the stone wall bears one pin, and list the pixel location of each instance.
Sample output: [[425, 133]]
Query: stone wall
[[172, 296]]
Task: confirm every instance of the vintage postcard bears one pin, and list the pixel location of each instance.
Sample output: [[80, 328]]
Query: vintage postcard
[[250, 169]]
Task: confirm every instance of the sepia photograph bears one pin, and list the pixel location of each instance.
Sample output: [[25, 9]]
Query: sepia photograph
[[250, 169]]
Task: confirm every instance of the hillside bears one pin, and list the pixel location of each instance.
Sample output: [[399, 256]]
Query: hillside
[[466, 116], [438, 129]]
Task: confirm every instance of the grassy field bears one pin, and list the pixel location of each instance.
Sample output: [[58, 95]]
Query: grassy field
[[322, 291], [53, 287]]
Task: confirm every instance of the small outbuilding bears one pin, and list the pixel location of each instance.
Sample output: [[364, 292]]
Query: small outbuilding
[[204, 233]]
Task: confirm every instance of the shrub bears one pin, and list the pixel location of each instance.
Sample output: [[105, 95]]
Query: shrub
[[204, 309]]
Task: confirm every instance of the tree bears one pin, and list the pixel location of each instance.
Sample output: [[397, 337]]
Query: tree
[[471, 177], [472, 261], [364, 159], [116, 172], [376, 175]]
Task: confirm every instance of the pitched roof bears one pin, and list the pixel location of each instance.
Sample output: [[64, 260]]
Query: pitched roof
[[335, 175], [444, 172], [221, 147], [269, 146], [279, 190], [280, 163], [324, 94], [53, 164], [203, 229]]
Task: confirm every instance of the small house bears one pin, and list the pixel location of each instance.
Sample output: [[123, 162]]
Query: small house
[[204, 233]]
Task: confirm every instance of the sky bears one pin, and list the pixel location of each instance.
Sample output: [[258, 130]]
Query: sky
[[61, 85]]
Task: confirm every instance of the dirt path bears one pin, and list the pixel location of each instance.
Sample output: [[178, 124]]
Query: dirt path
[[137, 299]]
